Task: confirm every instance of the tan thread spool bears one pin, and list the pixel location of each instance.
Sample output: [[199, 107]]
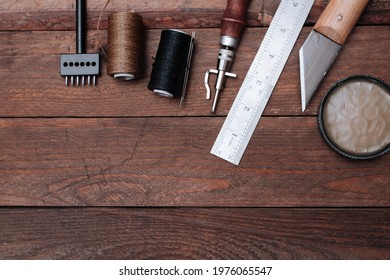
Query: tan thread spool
[[125, 45]]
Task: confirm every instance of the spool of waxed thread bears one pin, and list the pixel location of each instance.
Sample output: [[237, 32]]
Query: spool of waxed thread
[[171, 66], [126, 45]]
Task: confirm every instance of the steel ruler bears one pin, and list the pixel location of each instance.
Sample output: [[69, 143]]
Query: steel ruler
[[261, 79]]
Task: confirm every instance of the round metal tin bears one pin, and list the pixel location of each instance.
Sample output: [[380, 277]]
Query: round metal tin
[[354, 117]]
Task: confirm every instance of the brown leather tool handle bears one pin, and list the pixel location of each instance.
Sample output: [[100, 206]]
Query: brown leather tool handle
[[339, 17], [234, 19]]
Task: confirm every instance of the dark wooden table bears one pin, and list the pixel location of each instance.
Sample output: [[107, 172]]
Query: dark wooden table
[[116, 172]]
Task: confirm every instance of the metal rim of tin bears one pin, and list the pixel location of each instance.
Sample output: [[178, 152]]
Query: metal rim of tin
[[322, 128]]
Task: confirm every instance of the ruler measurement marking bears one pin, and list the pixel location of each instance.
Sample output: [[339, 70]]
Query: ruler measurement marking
[[261, 79]]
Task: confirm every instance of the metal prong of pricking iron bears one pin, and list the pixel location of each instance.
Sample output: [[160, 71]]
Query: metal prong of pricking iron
[[75, 67]]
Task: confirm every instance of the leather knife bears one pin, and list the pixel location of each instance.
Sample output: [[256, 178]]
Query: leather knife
[[324, 43]]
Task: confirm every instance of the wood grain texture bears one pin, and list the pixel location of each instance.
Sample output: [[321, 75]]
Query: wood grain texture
[[103, 233], [166, 162], [31, 84], [119, 145], [59, 15]]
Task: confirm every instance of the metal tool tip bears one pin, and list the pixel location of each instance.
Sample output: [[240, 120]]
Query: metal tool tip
[[303, 107], [215, 101]]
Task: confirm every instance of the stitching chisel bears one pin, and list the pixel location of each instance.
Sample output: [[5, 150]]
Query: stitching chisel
[[80, 66], [232, 27], [324, 43]]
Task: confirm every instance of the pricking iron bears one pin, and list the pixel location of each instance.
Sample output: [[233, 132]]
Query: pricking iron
[[80, 68]]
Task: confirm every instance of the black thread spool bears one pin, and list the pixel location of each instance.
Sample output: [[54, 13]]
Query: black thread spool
[[171, 65]]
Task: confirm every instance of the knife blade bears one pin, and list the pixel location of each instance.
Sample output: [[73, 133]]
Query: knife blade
[[324, 43]]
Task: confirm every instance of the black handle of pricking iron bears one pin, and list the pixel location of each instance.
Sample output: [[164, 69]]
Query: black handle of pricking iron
[[80, 26]]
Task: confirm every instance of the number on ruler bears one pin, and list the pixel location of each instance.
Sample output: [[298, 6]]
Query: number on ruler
[[234, 136]]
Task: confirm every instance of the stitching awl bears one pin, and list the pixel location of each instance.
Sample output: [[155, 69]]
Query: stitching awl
[[232, 27]]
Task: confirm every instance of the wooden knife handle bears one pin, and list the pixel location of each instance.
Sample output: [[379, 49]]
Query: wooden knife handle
[[339, 17], [234, 19]]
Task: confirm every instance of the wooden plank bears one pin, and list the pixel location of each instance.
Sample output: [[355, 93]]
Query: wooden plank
[[31, 84], [101, 233], [59, 15], [166, 162]]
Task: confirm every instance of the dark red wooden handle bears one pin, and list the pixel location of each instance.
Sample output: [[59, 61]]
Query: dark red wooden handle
[[234, 19]]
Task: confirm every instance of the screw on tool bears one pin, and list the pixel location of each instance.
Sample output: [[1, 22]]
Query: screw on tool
[[232, 27], [80, 68]]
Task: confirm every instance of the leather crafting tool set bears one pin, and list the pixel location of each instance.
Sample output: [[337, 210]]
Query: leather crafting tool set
[[173, 59]]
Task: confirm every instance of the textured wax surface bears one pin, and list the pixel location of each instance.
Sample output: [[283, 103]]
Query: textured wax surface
[[357, 117]]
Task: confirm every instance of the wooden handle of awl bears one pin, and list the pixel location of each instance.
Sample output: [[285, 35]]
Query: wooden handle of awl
[[339, 17], [234, 19]]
